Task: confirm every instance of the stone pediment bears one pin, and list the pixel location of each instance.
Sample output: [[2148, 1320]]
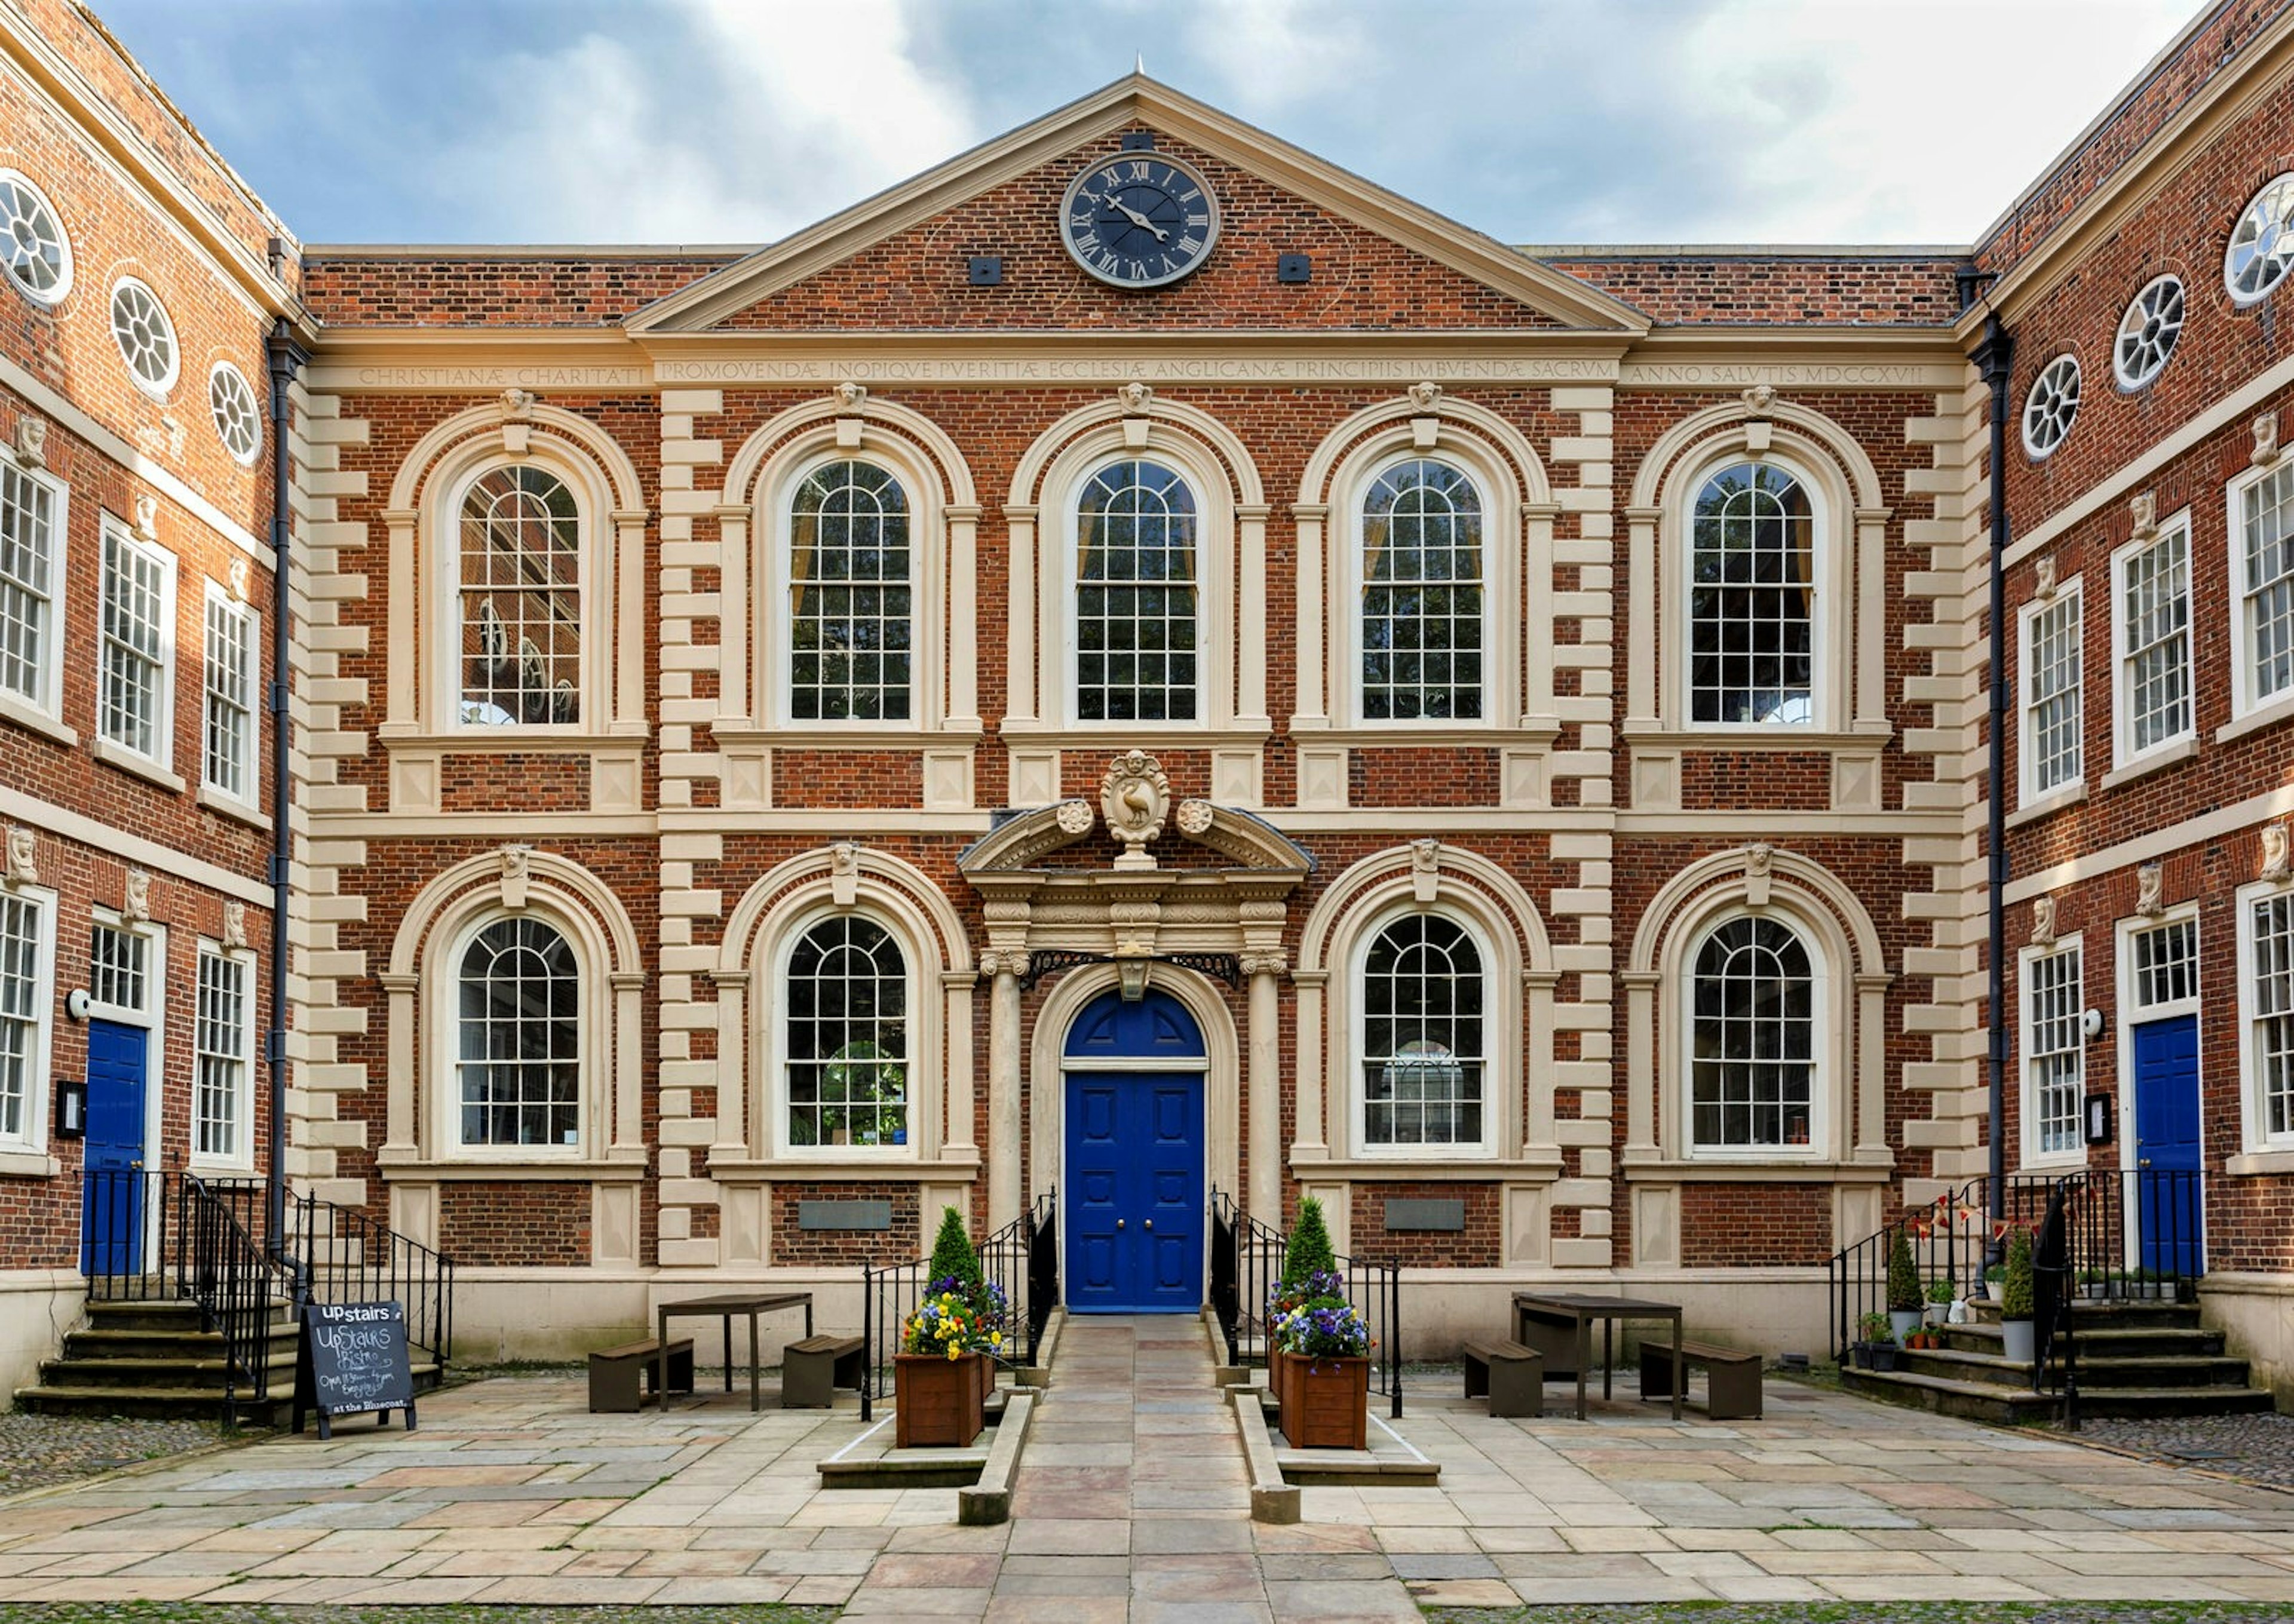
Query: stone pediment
[[895, 262], [1019, 844]]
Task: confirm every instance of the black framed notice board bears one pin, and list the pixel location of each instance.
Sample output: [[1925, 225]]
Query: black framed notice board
[[353, 1360]]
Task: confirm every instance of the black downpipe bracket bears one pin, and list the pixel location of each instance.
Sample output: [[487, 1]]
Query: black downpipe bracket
[[1994, 357], [287, 358]]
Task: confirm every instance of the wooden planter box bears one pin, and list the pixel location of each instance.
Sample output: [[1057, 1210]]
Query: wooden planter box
[[1328, 1404], [939, 1403]]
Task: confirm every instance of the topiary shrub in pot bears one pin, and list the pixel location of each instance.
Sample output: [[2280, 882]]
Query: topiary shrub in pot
[[2018, 1331], [1903, 1287]]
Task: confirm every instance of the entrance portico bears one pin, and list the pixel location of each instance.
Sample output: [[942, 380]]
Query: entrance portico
[[1140, 921]]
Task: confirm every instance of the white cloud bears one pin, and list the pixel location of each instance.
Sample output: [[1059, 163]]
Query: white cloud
[[1275, 53], [742, 125]]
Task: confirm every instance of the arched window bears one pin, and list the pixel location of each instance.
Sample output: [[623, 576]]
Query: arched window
[[847, 1046], [520, 600], [1421, 595], [1421, 1051], [1135, 596], [1752, 1043], [520, 1050], [850, 596], [1752, 599]]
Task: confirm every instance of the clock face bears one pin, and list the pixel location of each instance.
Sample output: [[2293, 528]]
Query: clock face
[[1139, 220]]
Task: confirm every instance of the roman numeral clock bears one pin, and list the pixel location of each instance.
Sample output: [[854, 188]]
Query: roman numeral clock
[[1139, 220]]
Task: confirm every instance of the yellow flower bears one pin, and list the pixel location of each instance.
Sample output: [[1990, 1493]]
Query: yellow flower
[[954, 1353]]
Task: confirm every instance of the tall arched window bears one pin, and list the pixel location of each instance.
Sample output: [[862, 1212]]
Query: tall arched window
[[1421, 596], [847, 1051], [850, 596], [1135, 596], [521, 600], [1753, 1039], [1752, 599], [1421, 1050], [520, 1055]]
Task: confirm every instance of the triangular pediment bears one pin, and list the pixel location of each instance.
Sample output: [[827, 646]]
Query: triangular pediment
[[898, 261]]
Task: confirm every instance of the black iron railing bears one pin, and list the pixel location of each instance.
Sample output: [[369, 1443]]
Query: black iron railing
[[2098, 1235], [1022, 1258], [167, 1236], [342, 1255], [1245, 1265]]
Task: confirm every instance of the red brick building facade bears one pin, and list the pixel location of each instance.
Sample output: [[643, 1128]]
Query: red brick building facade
[[1520, 714]]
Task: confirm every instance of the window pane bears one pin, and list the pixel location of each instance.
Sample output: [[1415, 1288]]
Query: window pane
[[2051, 704], [134, 635], [850, 595], [221, 1049], [2272, 923], [520, 1048], [116, 967], [1751, 1039], [1752, 599], [2166, 963], [26, 565], [229, 707], [1422, 1035], [847, 1046], [2268, 586], [521, 600], [1135, 596], [2155, 605], [1421, 613], [20, 1013], [2053, 1068]]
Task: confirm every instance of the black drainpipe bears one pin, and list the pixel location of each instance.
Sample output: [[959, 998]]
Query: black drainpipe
[[287, 358], [1994, 356]]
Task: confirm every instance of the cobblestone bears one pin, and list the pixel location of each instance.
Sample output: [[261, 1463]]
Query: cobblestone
[[1870, 1612], [2259, 1448], [39, 1451]]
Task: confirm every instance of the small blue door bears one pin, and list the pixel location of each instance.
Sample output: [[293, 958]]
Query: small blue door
[[111, 1233], [2166, 1150], [1134, 1173]]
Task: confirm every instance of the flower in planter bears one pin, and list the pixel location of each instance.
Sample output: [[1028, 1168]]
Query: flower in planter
[[945, 1324], [1324, 1328], [1317, 1285]]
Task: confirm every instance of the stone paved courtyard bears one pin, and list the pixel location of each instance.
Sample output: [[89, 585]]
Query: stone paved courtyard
[[1131, 1505]]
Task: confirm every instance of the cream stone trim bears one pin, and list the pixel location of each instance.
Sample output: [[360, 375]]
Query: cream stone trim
[[1135, 98], [1850, 588], [1519, 512], [1371, 893], [943, 528], [567, 896], [128, 846], [1231, 503], [2203, 830], [1855, 981]]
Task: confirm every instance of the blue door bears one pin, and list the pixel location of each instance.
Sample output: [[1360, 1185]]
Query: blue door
[[111, 1234], [1135, 1172], [2167, 1151]]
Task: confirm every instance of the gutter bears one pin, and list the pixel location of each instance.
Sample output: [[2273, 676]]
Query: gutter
[[1994, 356], [287, 358]]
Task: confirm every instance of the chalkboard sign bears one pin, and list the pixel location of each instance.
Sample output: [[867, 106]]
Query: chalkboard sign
[[353, 1359]]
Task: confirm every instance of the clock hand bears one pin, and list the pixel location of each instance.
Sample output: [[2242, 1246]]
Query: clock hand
[[1142, 220]]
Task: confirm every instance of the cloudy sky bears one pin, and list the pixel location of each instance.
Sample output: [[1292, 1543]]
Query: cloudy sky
[[1534, 120]]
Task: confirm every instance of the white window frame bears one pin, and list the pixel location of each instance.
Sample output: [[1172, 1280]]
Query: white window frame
[[1496, 1032], [32, 1140], [2133, 383], [2254, 1115], [2124, 750], [46, 709], [1827, 682], [1208, 657], [217, 600], [1497, 678], [2277, 189], [2063, 377], [1823, 1045], [923, 1039], [2134, 1011], [2033, 1154], [592, 558], [240, 1156], [2030, 790], [446, 1097], [778, 613], [2245, 700], [163, 719], [157, 389], [56, 295]]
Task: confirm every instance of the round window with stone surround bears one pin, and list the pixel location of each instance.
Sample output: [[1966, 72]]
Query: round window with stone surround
[[32, 241], [239, 424], [2050, 407], [146, 338], [2148, 332], [2261, 244]]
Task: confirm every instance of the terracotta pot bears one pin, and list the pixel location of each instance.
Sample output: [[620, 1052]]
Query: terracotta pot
[[939, 1403], [1328, 1406]]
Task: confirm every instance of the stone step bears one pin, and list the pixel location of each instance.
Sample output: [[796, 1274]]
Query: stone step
[[2093, 1372], [161, 1314], [2003, 1404], [105, 1344], [139, 1374], [201, 1401]]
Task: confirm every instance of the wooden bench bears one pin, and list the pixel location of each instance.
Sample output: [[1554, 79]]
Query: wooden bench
[[811, 1370], [1733, 1387], [1512, 1377], [613, 1374]]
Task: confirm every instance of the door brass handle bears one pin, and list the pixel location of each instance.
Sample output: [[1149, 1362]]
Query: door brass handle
[[1150, 1223], [1119, 1224], [137, 1167], [2144, 1162]]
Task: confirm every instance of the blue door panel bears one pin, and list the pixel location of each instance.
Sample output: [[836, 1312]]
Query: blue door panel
[[1134, 1163], [2166, 1144], [111, 1220]]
